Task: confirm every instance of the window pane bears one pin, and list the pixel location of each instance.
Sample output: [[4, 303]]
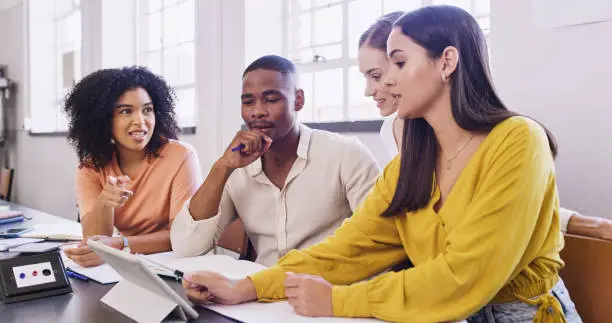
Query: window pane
[[154, 31], [170, 65], [401, 5], [328, 95], [186, 63], [360, 106], [319, 3], [302, 56], [306, 114], [153, 62], [186, 110], [169, 2], [296, 6], [482, 7], [68, 52], [70, 32], [328, 52], [62, 118], [153, 5], [62, 7], [260, 20], [170, 26], [328, 25], [463, 4], [485, 23], [362, 13], [186, 15], [68, 75], [299, 31]]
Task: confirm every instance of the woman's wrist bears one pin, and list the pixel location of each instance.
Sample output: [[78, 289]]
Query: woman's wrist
[[246, 291]]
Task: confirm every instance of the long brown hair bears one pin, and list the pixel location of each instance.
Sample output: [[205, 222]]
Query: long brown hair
[[475, 104]]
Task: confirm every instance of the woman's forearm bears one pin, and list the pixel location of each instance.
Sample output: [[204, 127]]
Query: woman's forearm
[[100, 221]]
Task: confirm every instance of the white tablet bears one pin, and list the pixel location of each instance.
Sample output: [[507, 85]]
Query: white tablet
[[131, 268]]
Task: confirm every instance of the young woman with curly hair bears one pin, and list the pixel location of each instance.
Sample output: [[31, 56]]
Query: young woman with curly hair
[[133, 174]]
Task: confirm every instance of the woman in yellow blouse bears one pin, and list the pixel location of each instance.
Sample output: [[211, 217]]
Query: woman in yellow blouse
[[472, 200]]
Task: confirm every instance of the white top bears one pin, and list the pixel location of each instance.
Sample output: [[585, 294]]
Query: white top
[[564, 217], [387, 136], [330, 177]]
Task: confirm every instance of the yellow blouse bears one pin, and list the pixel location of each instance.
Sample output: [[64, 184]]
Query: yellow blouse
[[496, 239]]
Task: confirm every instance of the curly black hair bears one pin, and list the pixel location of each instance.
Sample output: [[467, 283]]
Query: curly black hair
[[91, 103]]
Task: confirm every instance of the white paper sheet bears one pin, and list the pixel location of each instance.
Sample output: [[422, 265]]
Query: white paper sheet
[[280, 312], [222, 264], [103, 274]]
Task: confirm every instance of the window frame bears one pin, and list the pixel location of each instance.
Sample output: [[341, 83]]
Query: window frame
[[56, 102], [142, 36]]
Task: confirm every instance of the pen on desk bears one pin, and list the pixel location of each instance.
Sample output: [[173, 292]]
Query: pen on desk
[[74, 275]]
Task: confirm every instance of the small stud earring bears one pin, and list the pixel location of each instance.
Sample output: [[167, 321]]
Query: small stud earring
[[112, 141]]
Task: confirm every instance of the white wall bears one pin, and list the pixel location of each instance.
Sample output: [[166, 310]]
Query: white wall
[[560, 77]]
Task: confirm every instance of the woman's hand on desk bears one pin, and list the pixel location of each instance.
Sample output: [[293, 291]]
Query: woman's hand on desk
[[309, 295], [204, 287], [85, 257]]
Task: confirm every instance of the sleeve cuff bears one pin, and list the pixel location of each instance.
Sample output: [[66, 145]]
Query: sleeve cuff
[[351, 301], [565, 216], [190, 237], [270, 284]]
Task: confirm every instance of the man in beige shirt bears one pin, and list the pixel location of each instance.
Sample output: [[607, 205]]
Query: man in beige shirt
[[291, 186]]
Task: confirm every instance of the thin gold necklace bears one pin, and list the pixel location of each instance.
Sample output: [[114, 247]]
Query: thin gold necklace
[[449, 162]]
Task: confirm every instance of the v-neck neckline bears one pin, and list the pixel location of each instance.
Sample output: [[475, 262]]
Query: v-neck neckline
[[437, 193]]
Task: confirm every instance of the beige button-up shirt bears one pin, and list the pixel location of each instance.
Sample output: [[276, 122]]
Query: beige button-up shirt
[[330, 177]]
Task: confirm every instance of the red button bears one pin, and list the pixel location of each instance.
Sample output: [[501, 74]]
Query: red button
[[34, 273]]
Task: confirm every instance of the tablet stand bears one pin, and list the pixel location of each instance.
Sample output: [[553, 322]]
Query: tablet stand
[[140, 304]]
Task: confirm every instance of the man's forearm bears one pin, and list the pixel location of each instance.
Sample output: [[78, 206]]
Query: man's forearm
[[588, 226], [205, 203]]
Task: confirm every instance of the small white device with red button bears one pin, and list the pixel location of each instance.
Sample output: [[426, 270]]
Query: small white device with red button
[[26, 277], [35, 274]]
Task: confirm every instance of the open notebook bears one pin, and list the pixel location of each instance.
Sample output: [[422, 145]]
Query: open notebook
[[55, 232]]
